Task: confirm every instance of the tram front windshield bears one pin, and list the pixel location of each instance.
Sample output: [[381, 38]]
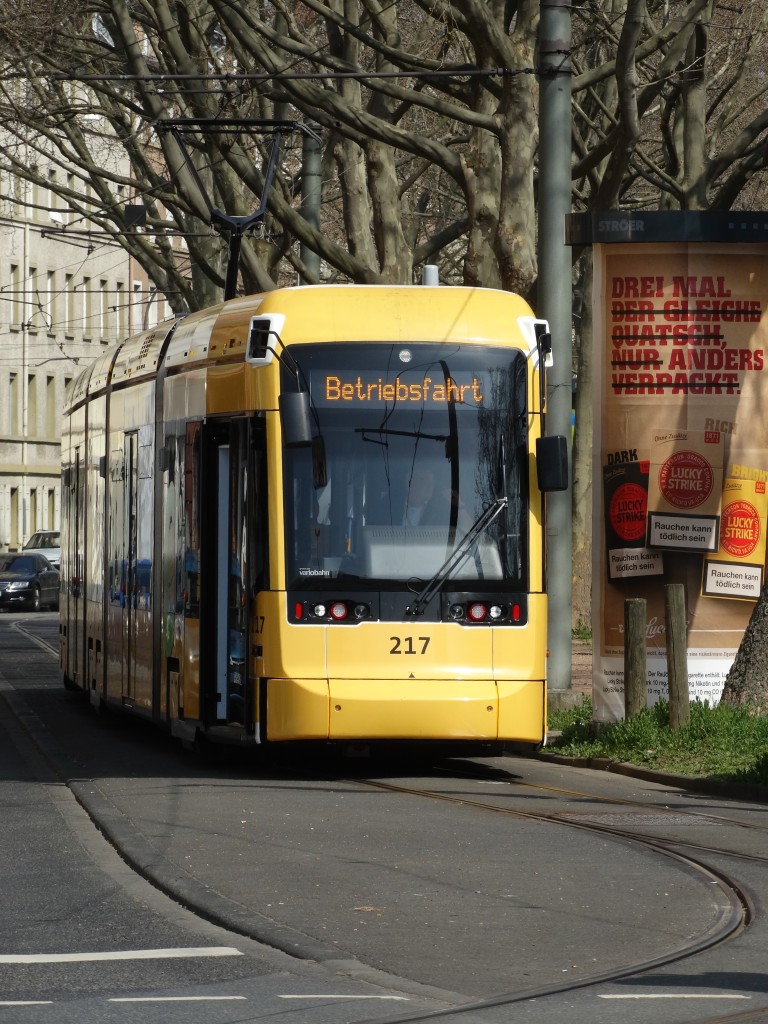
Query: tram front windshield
[[413, 443]]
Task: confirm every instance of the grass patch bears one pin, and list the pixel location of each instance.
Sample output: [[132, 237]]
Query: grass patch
[[719, 742], [582, 631]]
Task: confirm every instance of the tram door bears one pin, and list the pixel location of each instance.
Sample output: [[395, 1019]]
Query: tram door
[[223, 604], [75, 558], [130, 607], [128, 566]]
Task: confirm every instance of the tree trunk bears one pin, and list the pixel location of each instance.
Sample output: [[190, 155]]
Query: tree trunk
[[746, 684]]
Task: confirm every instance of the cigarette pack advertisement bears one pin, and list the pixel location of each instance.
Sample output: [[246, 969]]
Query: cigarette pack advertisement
[[735, 570], [625, 489], [684, 490]]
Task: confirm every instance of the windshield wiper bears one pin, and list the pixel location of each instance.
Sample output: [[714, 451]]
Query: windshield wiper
[[457, 556], [365, 431]]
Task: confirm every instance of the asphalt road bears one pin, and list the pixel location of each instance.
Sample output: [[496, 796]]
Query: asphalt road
[[331, 881]]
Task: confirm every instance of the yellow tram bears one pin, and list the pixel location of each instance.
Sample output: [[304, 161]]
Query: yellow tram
[[315, 514]]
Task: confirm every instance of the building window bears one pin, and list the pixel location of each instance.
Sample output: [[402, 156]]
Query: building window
[[69, 305], [31, 526], [137, 311], [53, 199], [16, 303], [14, 404], [122, 310], [87, 309], [51, 304], [71, 187], [14, 539], [32, 405], [103, 310], [32, 298], [51, 411], [18, 186]]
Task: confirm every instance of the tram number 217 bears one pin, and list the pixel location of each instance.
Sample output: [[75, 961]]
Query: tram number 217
[[409, 644]]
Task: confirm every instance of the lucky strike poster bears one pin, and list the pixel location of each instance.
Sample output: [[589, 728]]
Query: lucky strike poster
[[735, 569], [681, 386]]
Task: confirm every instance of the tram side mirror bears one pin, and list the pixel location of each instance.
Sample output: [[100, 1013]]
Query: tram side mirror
[[543, 342], [295, 419], [552, 463]]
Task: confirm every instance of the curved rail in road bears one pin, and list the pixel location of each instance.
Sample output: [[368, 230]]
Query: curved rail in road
[[736, 912]]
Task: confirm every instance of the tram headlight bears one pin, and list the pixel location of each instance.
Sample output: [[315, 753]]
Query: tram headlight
[[319, 611], [497, 611], [339, 611]]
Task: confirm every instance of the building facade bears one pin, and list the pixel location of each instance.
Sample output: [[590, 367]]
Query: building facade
[[67, 292]]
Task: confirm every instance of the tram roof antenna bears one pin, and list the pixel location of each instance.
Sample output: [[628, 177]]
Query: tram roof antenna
[[236, 225]]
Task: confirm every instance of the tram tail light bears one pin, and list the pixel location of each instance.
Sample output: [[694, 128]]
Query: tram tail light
[[334, 611], [486, 612]]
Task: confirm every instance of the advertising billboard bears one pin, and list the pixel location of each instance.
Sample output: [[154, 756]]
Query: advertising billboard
[[680, 452]]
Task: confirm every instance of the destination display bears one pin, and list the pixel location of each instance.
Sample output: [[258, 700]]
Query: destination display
[[371, 389], [419, 376]]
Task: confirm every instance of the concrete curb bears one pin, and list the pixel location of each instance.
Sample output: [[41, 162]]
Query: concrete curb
[[692, 783], [187, 890]]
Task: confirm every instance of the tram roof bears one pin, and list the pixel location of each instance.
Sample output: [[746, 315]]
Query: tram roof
[[140, 356], [411, 313], [312, 313], [350, 312]]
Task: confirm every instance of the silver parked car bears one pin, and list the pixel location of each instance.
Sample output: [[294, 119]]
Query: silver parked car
[[45, 543]]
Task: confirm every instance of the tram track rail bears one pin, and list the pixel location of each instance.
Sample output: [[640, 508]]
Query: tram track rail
[[735, 910], [695, 815]]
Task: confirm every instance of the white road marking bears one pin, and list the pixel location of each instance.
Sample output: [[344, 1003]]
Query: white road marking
[[26, 1002], [175, 999], [121, 954], [674, 995], [317, 995]]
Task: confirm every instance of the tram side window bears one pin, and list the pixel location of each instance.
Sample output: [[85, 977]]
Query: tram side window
[[116, 582], [192, 519], [239, 484], [257, 511]]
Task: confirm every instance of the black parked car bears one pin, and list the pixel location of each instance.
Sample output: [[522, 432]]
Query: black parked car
[[28, 581]]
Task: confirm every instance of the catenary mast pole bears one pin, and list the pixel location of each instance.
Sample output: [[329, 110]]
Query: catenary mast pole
[[311, 196], [555, 304]]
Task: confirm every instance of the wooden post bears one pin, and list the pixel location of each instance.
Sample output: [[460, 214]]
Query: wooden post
[[677, 655], [635, 692]]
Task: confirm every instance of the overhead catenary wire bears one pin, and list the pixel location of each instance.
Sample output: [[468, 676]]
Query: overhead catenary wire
[[42, 301], [277, 76]]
